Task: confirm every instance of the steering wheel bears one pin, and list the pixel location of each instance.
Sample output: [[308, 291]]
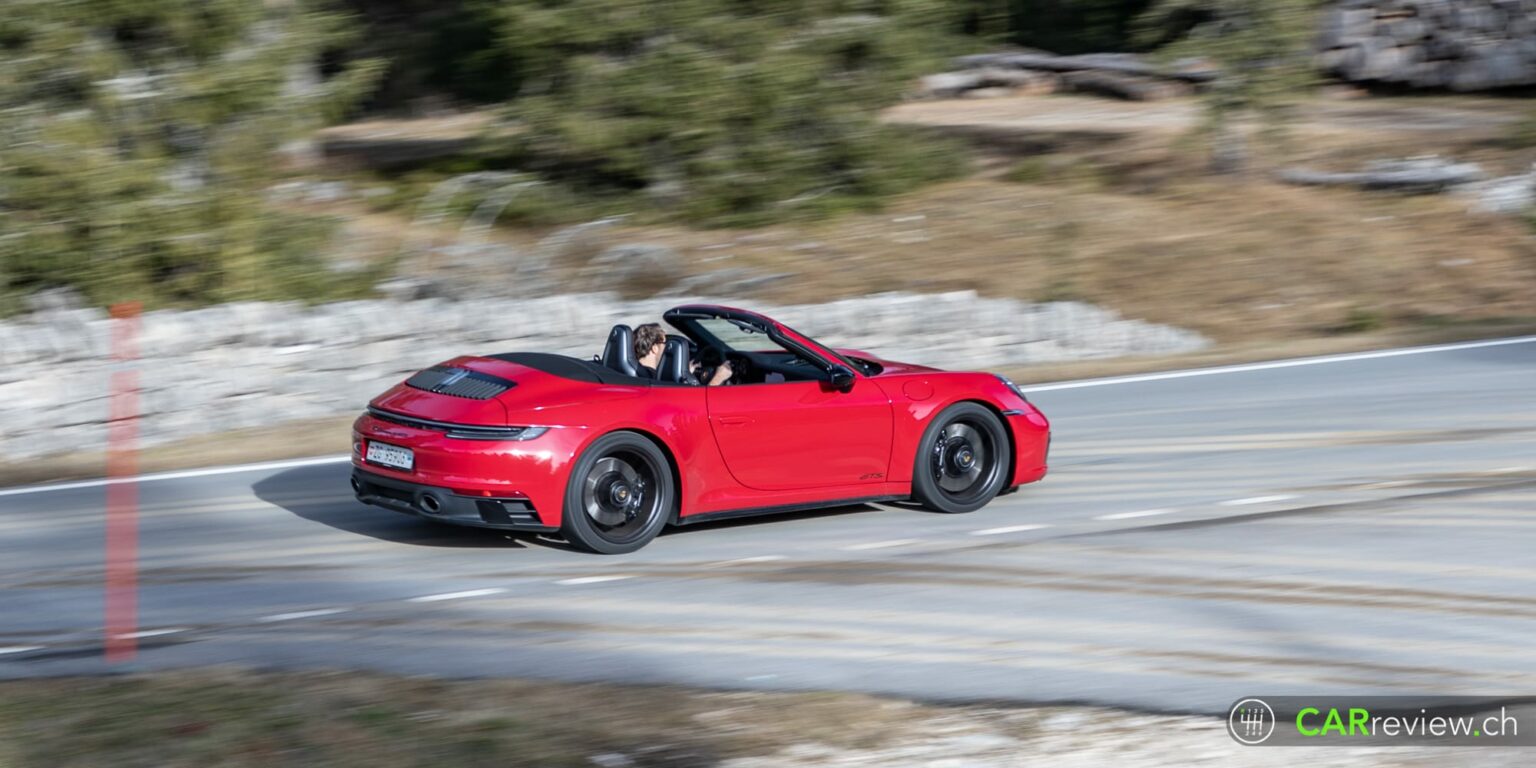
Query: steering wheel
[[709, 360], [741, 367]]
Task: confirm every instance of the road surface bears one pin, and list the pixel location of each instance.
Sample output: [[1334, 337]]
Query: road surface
[[1361, 525]]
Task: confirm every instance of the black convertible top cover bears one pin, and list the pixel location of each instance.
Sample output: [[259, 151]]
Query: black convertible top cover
[[573, 368]]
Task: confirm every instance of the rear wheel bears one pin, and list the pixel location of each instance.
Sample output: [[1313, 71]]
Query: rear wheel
[[962, 460], [620, 495]]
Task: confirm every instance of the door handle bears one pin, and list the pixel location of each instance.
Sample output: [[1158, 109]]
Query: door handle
[[734, 421]]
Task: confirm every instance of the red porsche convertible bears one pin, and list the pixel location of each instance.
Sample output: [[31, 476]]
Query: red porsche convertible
[[605, 458]]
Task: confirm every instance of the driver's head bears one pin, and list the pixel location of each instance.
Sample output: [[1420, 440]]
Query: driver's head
[[650, 340]]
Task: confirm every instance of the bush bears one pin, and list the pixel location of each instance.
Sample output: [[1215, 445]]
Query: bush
[[136, 140], [720, 111]]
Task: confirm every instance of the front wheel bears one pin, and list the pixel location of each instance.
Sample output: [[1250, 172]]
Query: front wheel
[[962, 461], [619, 497]]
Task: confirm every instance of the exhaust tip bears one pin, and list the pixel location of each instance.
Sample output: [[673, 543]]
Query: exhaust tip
[[430, 504], [357, 487]]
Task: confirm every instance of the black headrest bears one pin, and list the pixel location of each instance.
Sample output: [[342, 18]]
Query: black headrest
[[619, 353], [674, 362]]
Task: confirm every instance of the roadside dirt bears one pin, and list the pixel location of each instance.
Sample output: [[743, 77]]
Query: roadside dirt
[[239, 718], [1076, 198], [1466, 116]]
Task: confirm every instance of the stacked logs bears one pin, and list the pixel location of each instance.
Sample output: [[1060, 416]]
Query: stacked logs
[[1461, 45]]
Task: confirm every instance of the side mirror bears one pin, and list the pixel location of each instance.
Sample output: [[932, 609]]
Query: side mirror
[[841, 379]]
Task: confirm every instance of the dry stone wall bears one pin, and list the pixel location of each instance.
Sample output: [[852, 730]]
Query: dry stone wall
[[258, 364]]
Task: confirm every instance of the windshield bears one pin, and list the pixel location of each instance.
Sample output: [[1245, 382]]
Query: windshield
[[740, 336]]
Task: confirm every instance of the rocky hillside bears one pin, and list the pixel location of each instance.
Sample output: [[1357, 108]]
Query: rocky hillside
[[1462, 45]]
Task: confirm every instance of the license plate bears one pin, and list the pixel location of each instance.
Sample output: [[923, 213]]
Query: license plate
[[391, 455]]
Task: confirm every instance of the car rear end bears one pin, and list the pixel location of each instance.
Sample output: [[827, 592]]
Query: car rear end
[[439, 445]]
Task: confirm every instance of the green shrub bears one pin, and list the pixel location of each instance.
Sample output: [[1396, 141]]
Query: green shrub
[[137, 139], [723, 112]]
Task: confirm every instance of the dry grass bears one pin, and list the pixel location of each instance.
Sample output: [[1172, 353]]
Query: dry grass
[[1106, 202], [233, 718], [291, 440], [1239, 261]]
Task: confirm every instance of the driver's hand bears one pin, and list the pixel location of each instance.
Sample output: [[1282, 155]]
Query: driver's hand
[[721, 374]]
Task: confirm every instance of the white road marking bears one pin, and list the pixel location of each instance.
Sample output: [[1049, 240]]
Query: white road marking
[[1294, 363], [457, 595], [151, 633], [1256, 500], [1386, 484], [879, 545], [19, 649], [303, 614], [1130, 515], [1008, 529], [205, 472], [747, 560], [593, 579], [1508, 470]]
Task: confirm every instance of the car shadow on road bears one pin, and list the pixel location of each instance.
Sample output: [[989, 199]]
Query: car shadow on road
[[321, 494], [780, 518]]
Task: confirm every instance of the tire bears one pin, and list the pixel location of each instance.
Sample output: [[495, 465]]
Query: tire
[[962, 461], [620, 495]]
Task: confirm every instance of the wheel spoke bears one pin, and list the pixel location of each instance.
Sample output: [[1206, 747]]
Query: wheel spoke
[[619, 496], [961, 457]]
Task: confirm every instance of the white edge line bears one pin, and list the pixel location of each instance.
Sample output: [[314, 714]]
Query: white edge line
[[1256, 500], [593, 579], [303, 614], [1131, 515], [179, 475], [19, 649], [151, 633], [456, 595], [879, 545], [1342, 358], [1008, 529]]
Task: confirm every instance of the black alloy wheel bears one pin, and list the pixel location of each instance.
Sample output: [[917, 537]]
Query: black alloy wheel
[[620, 495], [962, 461]]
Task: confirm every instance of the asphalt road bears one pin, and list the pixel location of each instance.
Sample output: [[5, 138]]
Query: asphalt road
[[1359, 526]]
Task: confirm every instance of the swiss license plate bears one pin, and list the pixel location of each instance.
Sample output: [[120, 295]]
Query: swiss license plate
[[391, 455]]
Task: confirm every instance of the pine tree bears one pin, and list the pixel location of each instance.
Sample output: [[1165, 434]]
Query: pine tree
[[137, 138], [720, 110], [1263, 51]]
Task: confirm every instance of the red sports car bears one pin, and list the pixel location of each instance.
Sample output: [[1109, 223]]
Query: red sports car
[[605, 458]]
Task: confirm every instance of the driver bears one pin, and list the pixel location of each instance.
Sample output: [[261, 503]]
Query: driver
[[651, 341]]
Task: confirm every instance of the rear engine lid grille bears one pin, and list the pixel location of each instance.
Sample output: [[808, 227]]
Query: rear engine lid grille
[[461, 431], [459, 382]]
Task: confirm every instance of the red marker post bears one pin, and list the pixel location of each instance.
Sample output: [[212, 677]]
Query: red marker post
[[122, 576]]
